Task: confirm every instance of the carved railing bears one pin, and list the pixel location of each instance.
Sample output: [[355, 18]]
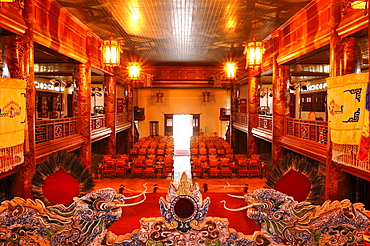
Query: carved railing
[[98, 121], [307, 129], [265, 121], [121, 118], [47, 130], [241, 118]]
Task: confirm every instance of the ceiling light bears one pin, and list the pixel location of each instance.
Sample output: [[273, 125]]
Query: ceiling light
[[253, 51], [111, 52], [230, 68], [134, 69]]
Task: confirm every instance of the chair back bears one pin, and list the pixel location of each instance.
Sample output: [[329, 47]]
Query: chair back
[[242, 162]]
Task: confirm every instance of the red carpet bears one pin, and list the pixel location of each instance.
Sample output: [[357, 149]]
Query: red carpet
[[150, 208], [182, 152]]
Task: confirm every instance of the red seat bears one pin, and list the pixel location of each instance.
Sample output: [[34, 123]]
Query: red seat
[[149, 168], [151, 151], [196, 170], [225, 168], [254, 167], [242, 167], [137, 167], [167, 167], [108, 168], [142, 151], [212, 151], [133, 152], [120, 168]]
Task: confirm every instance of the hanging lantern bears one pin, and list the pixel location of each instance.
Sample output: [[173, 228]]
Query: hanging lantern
[[134, 69], [230, 68], [111, 52], [253, 51]]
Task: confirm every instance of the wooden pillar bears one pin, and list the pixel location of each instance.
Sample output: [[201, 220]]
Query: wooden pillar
[[351, 59], [253, 105], [130, 114], [337, 185], [110, 103], [19, 63], [281, 79], [84, 110], [234, 106]]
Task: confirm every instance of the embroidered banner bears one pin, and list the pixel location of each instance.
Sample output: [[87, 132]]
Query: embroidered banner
[[348, 118], [12, 122], [346, 106]]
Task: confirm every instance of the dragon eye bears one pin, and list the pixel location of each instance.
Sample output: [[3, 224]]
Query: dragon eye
[[267, 205], [102, 205]]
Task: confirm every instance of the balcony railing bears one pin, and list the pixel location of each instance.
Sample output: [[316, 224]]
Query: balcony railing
[[265, 121], [98, 121], [241, 118], [307, 129], [121, 118], [51, 129]]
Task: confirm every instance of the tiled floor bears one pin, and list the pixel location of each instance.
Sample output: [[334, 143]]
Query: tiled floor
[[182, 164]]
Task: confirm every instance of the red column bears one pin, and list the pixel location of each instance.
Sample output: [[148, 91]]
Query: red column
[[337, 185], [281, 78], [110, 111], [253, 104], [83, 110], [20, 62], [130, 114]]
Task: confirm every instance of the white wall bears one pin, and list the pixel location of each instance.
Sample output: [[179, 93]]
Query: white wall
[[183, 101]]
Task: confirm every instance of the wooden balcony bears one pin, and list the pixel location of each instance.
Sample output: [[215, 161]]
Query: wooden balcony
[[56, 134], [313, 130], [52, 129], [241, 121], [99, 130], [306, 137], [122, 122], [264, 128]]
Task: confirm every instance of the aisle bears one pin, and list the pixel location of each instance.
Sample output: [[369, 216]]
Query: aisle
[[181, 164]]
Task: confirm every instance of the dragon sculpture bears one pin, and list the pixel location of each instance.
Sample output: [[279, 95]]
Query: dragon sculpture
[[83, 222], [284, 221]]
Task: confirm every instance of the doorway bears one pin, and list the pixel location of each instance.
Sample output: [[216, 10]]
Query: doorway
[[182, 131]]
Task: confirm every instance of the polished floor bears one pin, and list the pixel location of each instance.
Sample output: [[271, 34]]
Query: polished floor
[[181, 164]]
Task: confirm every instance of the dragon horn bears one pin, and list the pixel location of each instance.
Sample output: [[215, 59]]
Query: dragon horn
[[235, 196], [235, 209], [132, 204]]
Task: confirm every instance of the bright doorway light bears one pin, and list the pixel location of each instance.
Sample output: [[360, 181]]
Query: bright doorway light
[[182, 131]]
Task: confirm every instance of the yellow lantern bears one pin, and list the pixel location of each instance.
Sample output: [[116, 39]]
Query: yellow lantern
[[134, 69], [253, 51], [111, 52], [230, 68]]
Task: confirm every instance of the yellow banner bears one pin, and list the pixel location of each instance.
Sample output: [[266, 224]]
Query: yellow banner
[[12, 112], [346, 107]]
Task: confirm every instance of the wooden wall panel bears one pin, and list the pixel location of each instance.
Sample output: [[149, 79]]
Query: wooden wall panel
[[308, 30], [11, 18], [59, 30]]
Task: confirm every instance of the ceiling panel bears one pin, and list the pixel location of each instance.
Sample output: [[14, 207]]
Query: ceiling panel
[[184, 31]]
